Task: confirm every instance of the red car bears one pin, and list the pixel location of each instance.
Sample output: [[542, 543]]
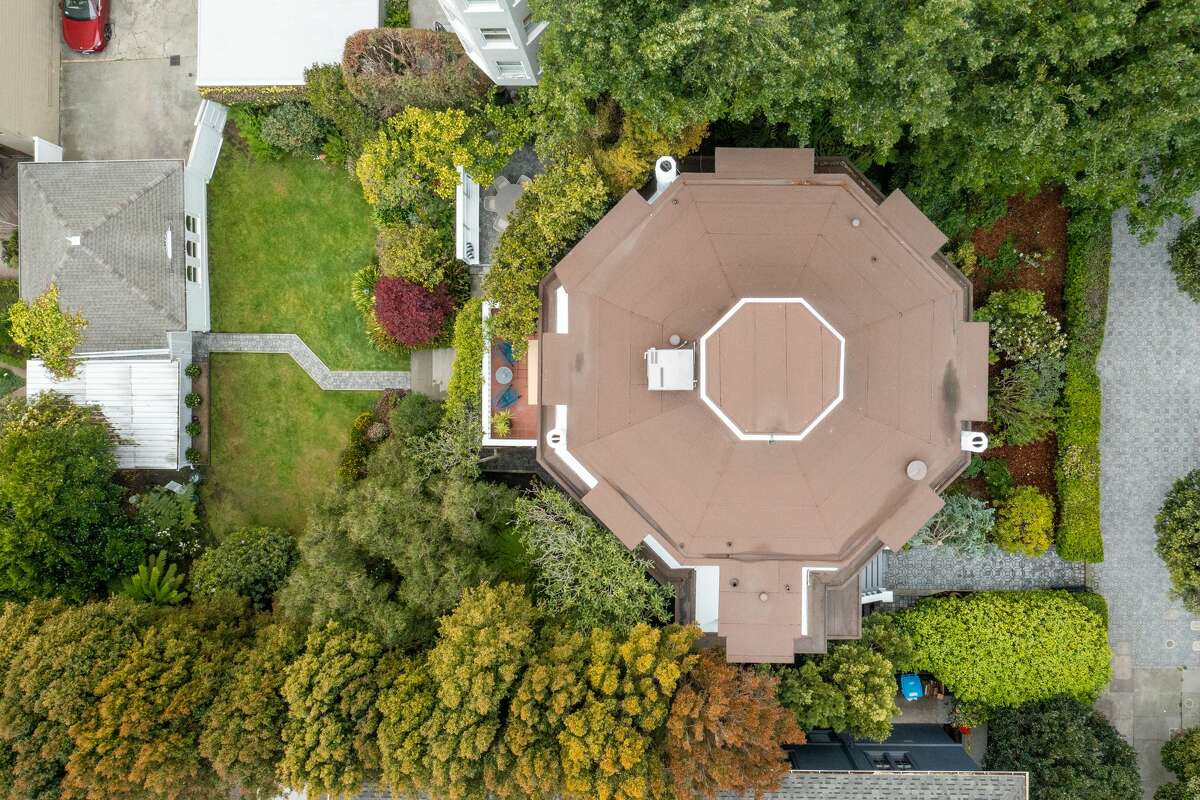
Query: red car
[[85, 25]]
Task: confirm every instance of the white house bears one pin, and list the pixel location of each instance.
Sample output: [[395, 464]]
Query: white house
[[501, 37]]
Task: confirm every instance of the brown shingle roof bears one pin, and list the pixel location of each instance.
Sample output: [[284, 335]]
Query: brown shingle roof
[[912, 368]]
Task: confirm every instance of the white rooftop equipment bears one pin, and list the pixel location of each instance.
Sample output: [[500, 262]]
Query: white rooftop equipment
[[671, 370]]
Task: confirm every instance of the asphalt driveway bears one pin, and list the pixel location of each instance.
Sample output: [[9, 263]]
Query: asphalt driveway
[[137, 98]]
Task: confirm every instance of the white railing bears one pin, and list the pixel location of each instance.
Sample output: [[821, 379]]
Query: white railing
[[466, 219]]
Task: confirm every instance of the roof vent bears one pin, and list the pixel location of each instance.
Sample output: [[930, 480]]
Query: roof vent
[[73, 241], [665, 173]]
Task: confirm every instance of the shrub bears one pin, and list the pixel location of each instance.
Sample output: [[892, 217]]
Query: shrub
[[1026, 522], [1068, 749], [193, 456], [412, 314], [1181, 755], [171, 522], [295, 128], [155, 582], [1093, 601], [1089, 252], [627, 164], [10, 249], [415, 415], [192, 428], [419, 253], [1185, 259], [963, 523], [1023, 400], [396, 14], [1178, 528], [852, 689], [327, 93], [586, 577], [249, 121], [1020, 326], [501, 423], [976, 644], [390, 69], [252, 562], [463, 389], [362, 289], [997, 478], [192, 370], [47, 332], [554, 213], [251, 95], [192, 400]]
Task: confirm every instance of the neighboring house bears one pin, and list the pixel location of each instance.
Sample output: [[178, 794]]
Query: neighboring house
[[126, 244], [501, 37], [29, 64], [765, 375], [272, 42]]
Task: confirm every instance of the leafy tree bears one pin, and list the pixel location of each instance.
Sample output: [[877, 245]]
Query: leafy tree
[[419, 253], [329, 744], [1185, 790], [726, 730], [975, 644], [141, 737], [411, 314], [1178, 528], [481, 650], [585, 577], [391, 69], [327, 93], [243, 730], [405, 706], [62, 528], [1185, 259], [155, 582], [1068, 749], [252, 562], [853, 689], [415, 414], [294, 127], [1181, 754], [1026, 523], [815, 702], [963, 523], [47, 332], [396, 550]]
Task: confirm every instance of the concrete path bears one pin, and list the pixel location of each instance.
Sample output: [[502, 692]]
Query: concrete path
[[926, 570], [293, 345], [1150, 437]]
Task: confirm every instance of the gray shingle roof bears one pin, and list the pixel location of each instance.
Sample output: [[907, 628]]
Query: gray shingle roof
[[118, 276]]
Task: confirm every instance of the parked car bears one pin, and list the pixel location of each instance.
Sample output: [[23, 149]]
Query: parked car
[[85, 25]]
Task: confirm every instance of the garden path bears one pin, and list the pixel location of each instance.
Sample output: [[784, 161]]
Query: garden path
[[927, 570], [1151, 428], [302, 354]]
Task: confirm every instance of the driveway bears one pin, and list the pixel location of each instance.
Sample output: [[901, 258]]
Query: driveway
[[137, 99], [1150, 437]]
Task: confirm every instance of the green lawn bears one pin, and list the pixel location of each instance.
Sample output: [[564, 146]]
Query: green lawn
[[9, 382], [284, 238], [274, 439]]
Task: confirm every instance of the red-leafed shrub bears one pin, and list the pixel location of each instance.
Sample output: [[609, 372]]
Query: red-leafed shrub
[[412, 314]]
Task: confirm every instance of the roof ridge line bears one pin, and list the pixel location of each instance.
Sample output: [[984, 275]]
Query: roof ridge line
[[137, 290], [117, 209]]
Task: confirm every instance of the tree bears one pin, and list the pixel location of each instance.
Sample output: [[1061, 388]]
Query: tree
[[1181, 755], [419, 253], [411, 314], [243, 730], [390, 69], [62, 528], [141, 737], [1026, 523], [329, 744], [405, 707], [294, 127], [395, 550], [47, 332], [726, 730], [252, 562], [1178, 529], [585, 577], [1185, 259], [1068, 749], [815, 702], [327, 93], [963, 523], [852, 689]]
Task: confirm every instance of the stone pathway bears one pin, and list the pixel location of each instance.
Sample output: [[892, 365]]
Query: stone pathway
[[293, 345], [1150, 437], [926, 570]]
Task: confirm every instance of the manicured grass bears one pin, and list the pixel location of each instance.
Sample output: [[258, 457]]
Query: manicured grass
[[275, 438], [284, 239]]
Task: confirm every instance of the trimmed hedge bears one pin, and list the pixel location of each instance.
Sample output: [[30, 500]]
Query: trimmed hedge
[[463, 390], [1002, 649], [1089, 251], [252, 95]]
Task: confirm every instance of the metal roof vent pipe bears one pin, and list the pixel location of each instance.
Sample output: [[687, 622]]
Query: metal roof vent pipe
[[665, 173]]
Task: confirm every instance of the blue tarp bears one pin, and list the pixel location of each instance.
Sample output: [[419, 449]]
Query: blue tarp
[[910, 686]]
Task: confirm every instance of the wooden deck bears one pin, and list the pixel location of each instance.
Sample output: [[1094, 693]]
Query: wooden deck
[[524, 413]]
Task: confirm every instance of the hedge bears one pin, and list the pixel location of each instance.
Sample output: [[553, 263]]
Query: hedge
[[1089, 251], [464, 388], [252, 95], [1001, 649]]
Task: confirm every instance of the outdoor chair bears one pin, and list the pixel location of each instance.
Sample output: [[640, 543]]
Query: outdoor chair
[[506, 353], [507, 399]]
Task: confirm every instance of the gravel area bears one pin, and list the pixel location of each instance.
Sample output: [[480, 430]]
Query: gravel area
[[924, 570]]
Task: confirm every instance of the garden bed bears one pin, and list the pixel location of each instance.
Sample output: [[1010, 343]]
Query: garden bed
[[200, 386]]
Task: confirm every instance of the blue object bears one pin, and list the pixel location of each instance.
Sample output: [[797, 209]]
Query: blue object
[[910, 686], [506, 352], [508, 398]]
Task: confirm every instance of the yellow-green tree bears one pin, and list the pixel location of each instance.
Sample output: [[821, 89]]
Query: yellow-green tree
[[48, 332], [405, 708]]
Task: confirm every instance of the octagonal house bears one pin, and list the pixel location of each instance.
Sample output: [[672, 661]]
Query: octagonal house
[[765, 375]]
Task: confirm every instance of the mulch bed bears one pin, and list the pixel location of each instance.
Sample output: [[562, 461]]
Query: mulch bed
[[1036, 225], [200, 387]]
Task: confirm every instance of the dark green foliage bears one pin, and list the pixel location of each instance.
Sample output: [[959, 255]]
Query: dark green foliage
[[329, 97], [396, 14], [192, 455], [192, 400], [853, 689], [10, 249], [1068, 749], [192, 370], [156, 582], [1023, 401], [1089, 251], [352, 464], [63, 530], [170, 522], [1181, 755], [294, 128], [995, 473], [10, 351], [249, 121], [251, 562], [1178, 528], [1185, 259], [192, 428], [407, 544], [415, 415]]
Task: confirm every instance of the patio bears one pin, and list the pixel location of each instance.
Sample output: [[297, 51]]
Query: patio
[[521, 398]]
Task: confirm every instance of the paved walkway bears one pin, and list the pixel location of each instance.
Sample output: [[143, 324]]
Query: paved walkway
[[293, 345], [926, 570], [1150, 437]]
